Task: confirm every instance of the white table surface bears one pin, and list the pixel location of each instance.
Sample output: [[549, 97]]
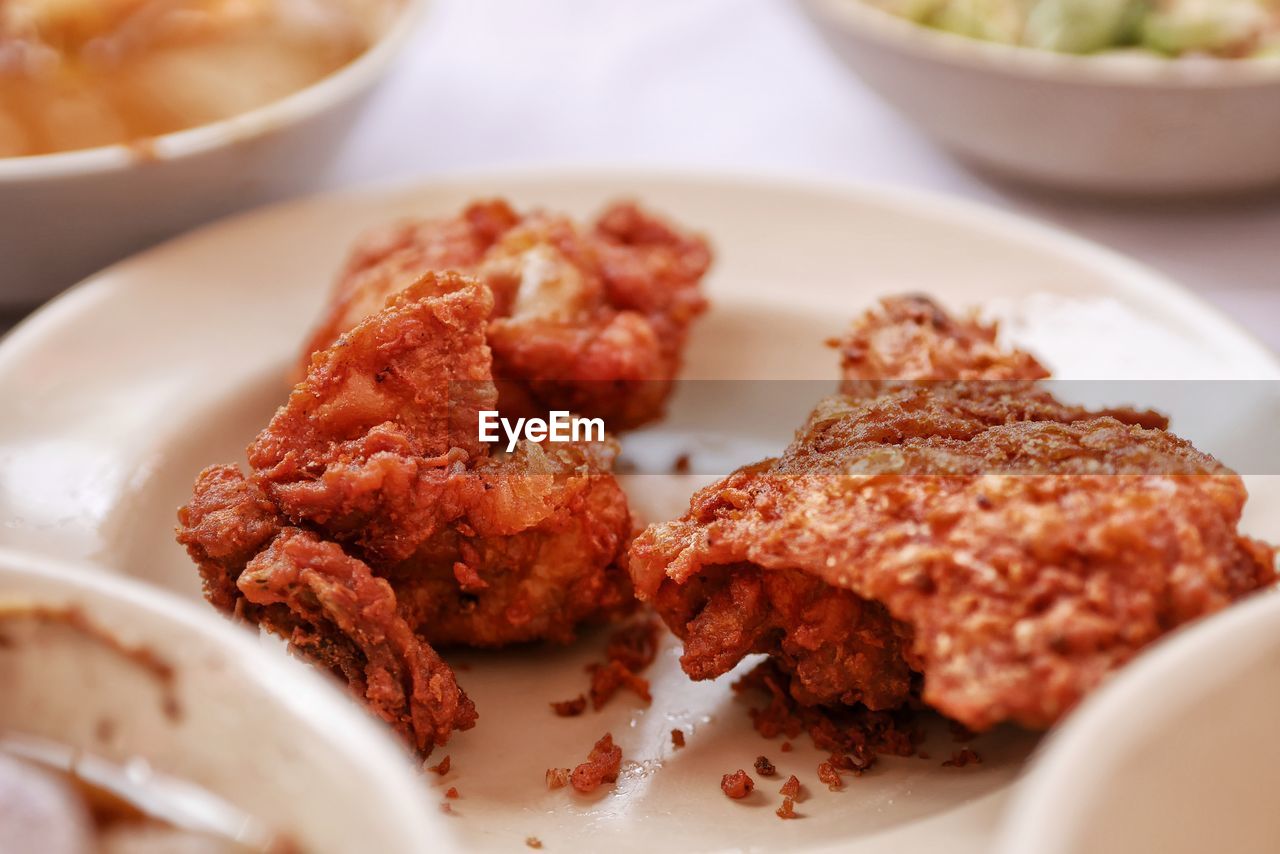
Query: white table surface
[[743, 85]]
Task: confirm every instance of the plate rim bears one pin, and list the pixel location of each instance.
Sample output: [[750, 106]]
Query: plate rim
[[1132, 276]]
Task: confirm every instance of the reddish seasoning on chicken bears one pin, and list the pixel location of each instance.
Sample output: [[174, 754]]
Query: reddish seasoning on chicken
[[468, 579], [601, 766], [737, 785], [828, 774]]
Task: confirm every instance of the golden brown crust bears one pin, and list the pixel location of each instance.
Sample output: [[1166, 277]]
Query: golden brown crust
[[373, 524], [980, 533], [912, 338], [590, 320], [332, 608]]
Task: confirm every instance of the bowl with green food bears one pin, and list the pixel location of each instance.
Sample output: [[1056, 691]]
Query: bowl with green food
[[1116, 97]]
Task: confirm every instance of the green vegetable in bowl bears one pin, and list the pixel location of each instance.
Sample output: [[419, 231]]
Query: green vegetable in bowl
[[1082, 26], [992, 20], [1229, 28]]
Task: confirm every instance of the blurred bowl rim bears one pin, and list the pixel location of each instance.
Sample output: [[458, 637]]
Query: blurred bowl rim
[[1079, 755], [1115, 68], [304, 696], [292, 109]]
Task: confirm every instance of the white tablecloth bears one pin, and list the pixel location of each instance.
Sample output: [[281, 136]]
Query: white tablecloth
[[740, 85]]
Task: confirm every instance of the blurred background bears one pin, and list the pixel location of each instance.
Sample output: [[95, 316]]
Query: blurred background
[[739, 86]]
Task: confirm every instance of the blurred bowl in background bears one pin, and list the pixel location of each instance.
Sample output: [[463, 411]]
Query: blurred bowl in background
[[66, 215], [245, 725], [1119, 123]]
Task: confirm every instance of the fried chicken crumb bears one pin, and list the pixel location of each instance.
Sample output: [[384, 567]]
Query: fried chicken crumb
[[855, 763], [791, 788], [635, 645], [677, 738], [533, 842], [629, 650], [828, 774], [764, 767], [854, 735], [557, 778], [452, 794], [962, 757], [607, 679], [737, 785], [682, 465], [788, 809], [570, 708], [443, 767], [601, 766]]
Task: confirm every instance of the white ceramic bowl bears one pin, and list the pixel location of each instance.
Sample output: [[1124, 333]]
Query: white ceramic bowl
[[1178, 754], [65, 215], [1114, 124], [261, 733]]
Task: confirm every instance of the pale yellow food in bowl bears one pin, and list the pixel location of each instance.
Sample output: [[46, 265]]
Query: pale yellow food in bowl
[[79, 74], [106, 192]]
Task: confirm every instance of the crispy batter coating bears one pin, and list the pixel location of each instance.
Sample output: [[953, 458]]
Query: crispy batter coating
[[334, 610], [373, 524], [911, 338], [1012, 550], [587, 319]]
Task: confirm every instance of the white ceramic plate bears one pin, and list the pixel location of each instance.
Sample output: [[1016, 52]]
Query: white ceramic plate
[[121, 390]]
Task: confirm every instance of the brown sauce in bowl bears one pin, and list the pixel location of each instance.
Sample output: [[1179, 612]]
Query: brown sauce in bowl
[[59, 801]]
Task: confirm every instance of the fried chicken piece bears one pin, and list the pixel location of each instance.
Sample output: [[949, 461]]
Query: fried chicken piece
[[911, 338], [1010, 549], [333, 609], [910, 341], [373, 524], [591, 320]]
